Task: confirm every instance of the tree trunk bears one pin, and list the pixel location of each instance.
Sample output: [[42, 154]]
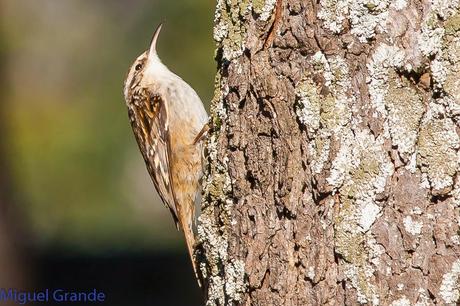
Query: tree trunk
[[331, 174]]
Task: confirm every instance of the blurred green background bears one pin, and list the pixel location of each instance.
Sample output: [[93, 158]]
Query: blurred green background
[[76, 180]]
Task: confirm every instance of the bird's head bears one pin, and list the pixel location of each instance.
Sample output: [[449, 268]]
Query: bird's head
[[144, 69]]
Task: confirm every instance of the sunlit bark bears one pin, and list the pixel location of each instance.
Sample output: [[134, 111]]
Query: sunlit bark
[[332, 165]]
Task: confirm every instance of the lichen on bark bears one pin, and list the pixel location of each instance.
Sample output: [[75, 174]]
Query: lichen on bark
[[224, 275], [332, 168]]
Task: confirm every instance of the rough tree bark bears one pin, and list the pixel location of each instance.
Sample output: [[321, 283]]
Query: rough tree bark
[[331, 174]]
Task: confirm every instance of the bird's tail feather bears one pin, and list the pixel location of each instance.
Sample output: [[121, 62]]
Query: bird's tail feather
[[190, 241]]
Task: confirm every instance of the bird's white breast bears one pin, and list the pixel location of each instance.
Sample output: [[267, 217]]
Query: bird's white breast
[[186, 113]]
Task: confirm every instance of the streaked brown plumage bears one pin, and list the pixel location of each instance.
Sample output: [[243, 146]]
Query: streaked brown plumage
[[166, 116]]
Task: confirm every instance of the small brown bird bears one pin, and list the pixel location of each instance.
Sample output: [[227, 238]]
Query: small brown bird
[[167, 118]]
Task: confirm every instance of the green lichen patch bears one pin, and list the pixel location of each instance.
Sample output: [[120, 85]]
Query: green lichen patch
[[452, 82], [363, 168], [354, 247], [258, 6], [452, 100], [330, 112], [333, 113], [229, 29], [437, 153], [452, 25], [349, 243], [359, 277], [218, 111], [263, 8], [308, 105], [405, 109], [308, 109], [319, 151]]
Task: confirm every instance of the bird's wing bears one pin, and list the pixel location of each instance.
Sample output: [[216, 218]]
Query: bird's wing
[[149, 120]]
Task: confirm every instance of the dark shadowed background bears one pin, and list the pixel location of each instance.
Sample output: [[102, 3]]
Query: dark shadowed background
[[77, 208]]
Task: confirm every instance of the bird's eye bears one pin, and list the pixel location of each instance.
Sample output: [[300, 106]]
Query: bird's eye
[[138, 67]]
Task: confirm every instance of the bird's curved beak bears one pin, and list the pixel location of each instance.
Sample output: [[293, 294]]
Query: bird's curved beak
[[153, 43]]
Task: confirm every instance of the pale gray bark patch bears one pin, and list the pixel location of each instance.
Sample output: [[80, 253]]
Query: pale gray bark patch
[[333, 161]]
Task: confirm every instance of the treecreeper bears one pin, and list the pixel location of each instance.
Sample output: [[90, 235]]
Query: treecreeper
[[168, 120]]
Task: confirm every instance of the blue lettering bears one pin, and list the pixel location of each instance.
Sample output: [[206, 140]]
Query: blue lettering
[[4, 296], [40, 297], [101, 297], [92, 296], [74, 297], [58, 295], [22, 298]]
